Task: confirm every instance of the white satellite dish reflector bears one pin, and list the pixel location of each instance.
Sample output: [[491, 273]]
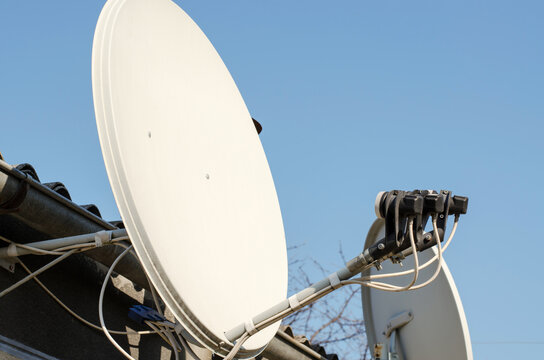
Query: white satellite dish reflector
[[188, 171], [430, 322]]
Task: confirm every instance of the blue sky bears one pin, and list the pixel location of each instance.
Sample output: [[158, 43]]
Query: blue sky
[[355, 97]]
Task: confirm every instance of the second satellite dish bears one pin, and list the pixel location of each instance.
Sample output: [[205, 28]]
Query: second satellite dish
[[188, 171], [424, 324]]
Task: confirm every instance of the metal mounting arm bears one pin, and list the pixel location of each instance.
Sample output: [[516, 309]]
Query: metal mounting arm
[[396, 207]]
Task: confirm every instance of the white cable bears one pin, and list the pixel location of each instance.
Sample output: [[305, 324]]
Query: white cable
[[101, 300], [35, 273], [154, 295], [176, 348], [159, 331], [429, 262], [37, 250], [439, 266], [389, 287], [183, 343], [167, 337], [453, 229], [170, 339], [393, 288], [61, 250], [121, 238], [187, 347], [31, 248], [173, 341], [237, 346], [323, 292], [74, 314], [6, 240], [381, 286], [80, 247]]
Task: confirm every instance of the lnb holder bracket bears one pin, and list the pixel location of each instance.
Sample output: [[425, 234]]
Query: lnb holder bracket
[[397, 207]]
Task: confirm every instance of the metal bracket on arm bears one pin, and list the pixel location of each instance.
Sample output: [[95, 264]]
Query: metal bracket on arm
[[397, 206], [7, 264], [390, 332]]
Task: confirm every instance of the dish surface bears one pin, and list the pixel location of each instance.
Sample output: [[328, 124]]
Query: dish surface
[[188, 171]]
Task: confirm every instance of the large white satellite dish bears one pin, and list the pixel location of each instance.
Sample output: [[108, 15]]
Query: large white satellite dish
[[431, 321], [188, 171]]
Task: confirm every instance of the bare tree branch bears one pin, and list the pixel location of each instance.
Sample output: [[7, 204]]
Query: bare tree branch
[[337, 317], [335, 320]]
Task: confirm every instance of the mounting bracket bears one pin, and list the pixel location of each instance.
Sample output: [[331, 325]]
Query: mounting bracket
[[390, 332], [7, 264]]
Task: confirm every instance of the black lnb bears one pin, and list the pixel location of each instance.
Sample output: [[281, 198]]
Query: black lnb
[[459, 205], [406, 213], [434, 203], [401, 203], [411, 205]]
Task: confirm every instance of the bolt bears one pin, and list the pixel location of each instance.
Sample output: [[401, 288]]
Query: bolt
[[381, 246], [441, 216]]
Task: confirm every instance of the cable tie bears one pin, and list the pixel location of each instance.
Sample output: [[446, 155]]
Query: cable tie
[[294, 304], [250, 327], [178, 328], [102, 237], [12, 250], [334, 280]]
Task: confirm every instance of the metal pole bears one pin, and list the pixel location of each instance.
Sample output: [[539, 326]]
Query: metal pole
[[304, 297], [13, 250]]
